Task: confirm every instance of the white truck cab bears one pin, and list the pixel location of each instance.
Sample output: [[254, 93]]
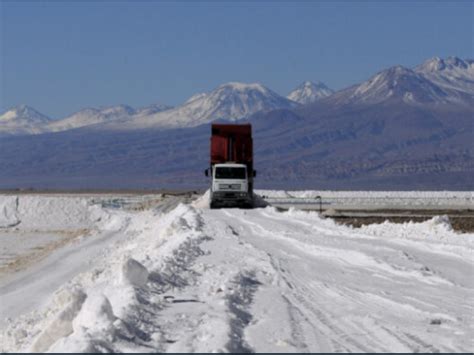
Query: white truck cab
[[230, 185]]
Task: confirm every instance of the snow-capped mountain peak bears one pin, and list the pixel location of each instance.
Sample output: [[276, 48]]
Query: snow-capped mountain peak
[[309, 92], [92, 116], [23, 119], [436, 64], [453, 74], [230, 101], [107, 114], [432, 64], [395, 83], [243, 87], [398, 82], [24, 113], [234, 101]]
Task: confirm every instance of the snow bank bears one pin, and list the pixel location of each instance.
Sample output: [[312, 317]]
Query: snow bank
[[47, 212], [433, 234], [70, 302], [8, 211], [97, 310], [96, 315], [202, 201], [437, 230]]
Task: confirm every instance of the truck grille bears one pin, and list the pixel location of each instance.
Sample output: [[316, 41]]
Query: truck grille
[[229, 186]]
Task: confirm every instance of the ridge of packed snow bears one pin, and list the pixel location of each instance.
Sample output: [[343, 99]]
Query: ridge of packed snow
[[47, 212]]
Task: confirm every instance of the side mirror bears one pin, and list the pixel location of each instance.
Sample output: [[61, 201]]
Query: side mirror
[[254, 173], [206, 172]]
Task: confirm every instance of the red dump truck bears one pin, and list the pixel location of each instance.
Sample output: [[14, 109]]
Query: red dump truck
[[231, 166]]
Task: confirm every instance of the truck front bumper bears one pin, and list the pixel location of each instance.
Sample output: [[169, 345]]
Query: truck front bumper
[[229, 198]]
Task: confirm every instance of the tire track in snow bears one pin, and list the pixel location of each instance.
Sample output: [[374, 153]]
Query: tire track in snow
[[376, 332], [318, 327], [416, 268], [257, 276], [420, 259], [348, 254]]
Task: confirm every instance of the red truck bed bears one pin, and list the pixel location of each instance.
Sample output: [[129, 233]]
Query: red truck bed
[[232, 142]]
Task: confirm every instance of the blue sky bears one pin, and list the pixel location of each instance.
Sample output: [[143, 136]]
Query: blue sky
[[60, 57]]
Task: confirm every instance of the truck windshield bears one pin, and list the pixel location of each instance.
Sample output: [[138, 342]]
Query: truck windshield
[[230, 173]]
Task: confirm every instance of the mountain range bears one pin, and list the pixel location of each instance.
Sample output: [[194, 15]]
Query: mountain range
[[403, 128], [231, 101]]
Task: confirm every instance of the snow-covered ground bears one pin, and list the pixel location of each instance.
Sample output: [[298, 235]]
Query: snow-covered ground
[[174, 277]]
